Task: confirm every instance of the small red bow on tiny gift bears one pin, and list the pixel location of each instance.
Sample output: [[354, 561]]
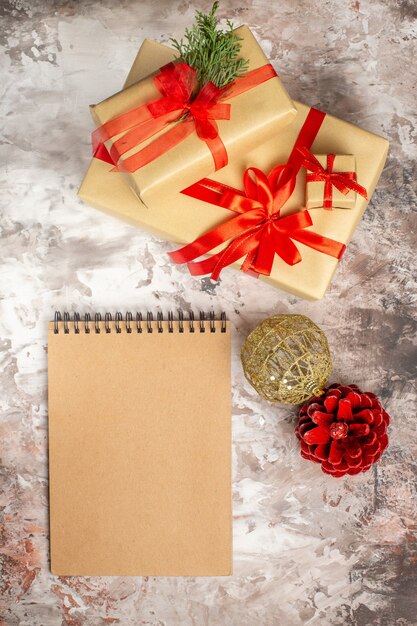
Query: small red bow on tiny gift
[[343, 181], [258, 231]]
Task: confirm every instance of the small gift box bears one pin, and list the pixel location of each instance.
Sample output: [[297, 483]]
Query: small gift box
[[331, 181], [161, 138], [303, 246]]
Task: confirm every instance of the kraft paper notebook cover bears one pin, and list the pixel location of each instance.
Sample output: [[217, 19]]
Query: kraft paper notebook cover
[[139, 446]]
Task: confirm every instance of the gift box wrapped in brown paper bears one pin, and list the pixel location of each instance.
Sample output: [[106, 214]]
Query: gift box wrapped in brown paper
[[182, 219], [255, 114], [316, 189]]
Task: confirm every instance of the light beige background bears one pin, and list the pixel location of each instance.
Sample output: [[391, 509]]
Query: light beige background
[[309, 549]]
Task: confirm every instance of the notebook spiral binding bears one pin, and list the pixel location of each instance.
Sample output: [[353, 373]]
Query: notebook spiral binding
[[87, 324]]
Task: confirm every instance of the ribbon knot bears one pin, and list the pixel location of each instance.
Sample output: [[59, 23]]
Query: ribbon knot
[[178, 85], [258, 231], [343, 181]]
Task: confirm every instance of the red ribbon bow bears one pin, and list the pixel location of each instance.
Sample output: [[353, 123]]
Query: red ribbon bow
[[259, 231], [343, 181], [177, 84]]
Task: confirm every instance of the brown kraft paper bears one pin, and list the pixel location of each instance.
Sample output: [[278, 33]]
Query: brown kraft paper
[[315, 189], [255, 115], [181, 219], [140, 451]]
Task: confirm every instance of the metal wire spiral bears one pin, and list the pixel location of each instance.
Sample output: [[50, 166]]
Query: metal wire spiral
[[126, 324]]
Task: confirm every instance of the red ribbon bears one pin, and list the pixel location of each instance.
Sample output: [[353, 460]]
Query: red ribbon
[[343, 181], [176, 83], [258, 231], [103, 154]]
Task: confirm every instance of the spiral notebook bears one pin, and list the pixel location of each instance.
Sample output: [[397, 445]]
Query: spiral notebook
[[139, 445]]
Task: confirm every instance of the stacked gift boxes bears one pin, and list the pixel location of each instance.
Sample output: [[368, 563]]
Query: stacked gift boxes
[[277, 193]]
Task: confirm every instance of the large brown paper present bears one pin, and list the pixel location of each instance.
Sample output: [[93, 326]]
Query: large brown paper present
[[179, 218], [255, 115]]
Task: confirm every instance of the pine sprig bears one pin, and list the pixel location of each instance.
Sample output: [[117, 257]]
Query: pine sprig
[[212, 52]]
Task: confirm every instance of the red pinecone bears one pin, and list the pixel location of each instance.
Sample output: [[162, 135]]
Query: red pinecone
[[344, 430]]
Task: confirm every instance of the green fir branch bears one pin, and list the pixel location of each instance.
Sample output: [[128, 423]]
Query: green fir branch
[[212, 52]]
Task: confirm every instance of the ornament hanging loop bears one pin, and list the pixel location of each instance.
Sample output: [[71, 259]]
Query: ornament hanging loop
[[314, 389]]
